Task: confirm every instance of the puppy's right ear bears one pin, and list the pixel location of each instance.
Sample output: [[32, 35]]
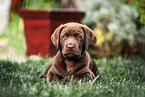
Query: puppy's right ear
[[55, 37]]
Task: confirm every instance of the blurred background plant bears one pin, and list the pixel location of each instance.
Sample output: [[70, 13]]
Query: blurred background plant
[[115, 24], [13, 38], [41, 4]]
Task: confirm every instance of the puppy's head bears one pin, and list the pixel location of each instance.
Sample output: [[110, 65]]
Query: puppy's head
[[72, 39]]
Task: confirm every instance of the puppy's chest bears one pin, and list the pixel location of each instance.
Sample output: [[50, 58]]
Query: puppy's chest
[[72, 66]]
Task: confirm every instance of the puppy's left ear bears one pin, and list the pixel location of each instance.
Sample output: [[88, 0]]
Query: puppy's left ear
[[90, 37], [55, 37]]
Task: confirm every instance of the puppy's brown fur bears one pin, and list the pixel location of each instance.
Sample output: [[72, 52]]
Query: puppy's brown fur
[[72, 59]]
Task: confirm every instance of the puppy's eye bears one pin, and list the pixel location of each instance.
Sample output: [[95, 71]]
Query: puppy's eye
[[64, 36], [79, 36]]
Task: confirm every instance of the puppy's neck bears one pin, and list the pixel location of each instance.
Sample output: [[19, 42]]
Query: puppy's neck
[[72, 65]]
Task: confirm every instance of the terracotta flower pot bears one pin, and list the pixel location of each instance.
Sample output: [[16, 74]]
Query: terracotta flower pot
[[40, 24]]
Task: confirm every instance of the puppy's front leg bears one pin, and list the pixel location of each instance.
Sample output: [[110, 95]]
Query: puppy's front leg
[[51, 76], [44, 74], [88, 75]]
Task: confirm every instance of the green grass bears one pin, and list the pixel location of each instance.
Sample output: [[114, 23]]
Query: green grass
[[119, 77]]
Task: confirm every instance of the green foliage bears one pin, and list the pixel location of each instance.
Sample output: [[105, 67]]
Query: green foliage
[[141, 36], [111, 16], [15, 35], [117, 18], [140, 5], [135, 3], [41, 4], [123, 77]]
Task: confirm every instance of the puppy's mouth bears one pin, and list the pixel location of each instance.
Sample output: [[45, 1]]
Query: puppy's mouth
[[71, 55]]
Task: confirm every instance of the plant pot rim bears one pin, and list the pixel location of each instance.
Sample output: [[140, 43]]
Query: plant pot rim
[[50, 13]]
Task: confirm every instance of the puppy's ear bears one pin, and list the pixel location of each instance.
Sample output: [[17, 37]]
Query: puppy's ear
[[55, 37], [90, 37]]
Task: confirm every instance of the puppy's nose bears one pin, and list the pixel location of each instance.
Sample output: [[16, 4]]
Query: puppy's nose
[[70, 46]]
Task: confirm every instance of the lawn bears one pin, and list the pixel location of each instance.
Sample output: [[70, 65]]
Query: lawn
[[119, 77]]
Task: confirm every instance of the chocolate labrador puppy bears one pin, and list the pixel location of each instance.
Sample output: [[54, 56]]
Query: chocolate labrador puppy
[[72, 59]]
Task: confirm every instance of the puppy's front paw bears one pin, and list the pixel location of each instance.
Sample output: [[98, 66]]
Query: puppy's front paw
[[43, 75]]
